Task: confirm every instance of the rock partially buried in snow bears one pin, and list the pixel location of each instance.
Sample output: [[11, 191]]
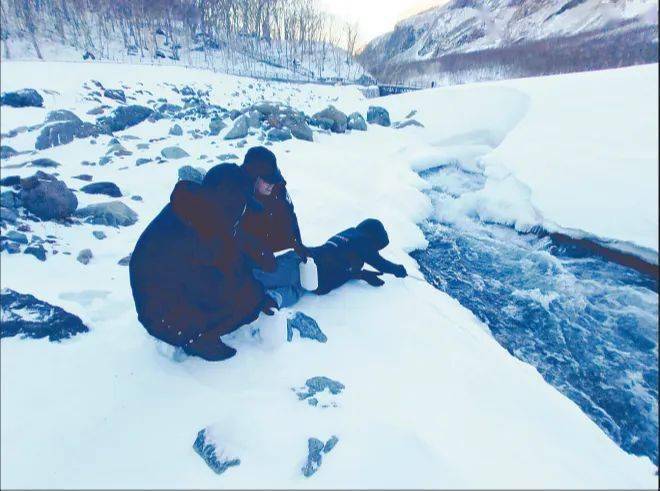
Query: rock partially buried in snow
[[99, 234], [338, 118], [36, 250], [239, 130], [407, 122], [43, 163], [315, 450], [62, 115], [174, 153], [306, 326], [22, 98], [176, 130], [356, 122], [190, 173], [112, 213], [125, 261], [124, 117], [214, 458], [85, 256], [6, 151], [216, 126], [46, 197], [115, 94], [61, 133], [227, 156], [301, 130], [378, 115], [278, 134], [32, 318], [106, 188]]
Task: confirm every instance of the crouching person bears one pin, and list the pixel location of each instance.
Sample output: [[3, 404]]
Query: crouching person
[[339, 260], [190, 281]]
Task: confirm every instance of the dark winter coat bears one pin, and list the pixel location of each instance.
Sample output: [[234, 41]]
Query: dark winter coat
[[187, 272], [342, 257]]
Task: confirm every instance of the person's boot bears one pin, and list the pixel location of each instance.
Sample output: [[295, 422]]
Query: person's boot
[[210, 348]]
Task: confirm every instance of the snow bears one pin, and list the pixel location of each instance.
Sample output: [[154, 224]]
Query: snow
[[431, 399]]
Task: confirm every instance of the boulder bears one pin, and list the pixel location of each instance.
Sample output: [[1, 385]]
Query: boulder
[[356, 122], [111, 213], [85, 256], [44, 163], [407, 122], [301, 130], [7, 215], [218, 461], [106, 188], [216, 125], [174, 153], [278, 134], [115, 94], [315, 450], [169, 108], [22, 98], [323, 123], [6, 151], [61, 133], [10, 199], [47, 197], [32, 318], [239, 130], [10, 181], [14, 236], [123, 117], [36, 250], [306, 326], [254, 118], [378, 115], [62, 115], [338, 118], [118, 150], [190, 173], [176, 130]]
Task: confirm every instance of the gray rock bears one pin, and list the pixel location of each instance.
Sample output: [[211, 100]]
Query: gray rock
[[6, 152], [407, 122], [174, 153], [356, 122], [314, 458], [22, 98], [266, 108], [9, 199], [176, 130], [99, 234], [142, 161], [123, 117], [216, 125], [234, 113], [17, 237], [136, 197], [116, 94], [7, 215], [239, 130], [112, 213], [190, 173], [227, 156], [330, 444], [118, 150], [378, 115], [142, 146], [37, 251], [278, 134], [169, 108], [207, 450], [47, 197], [10, 181], [306, 326], [84, 177], [301, 130], [44, 163], [411, 114], [96, 111], [105, 160], [11, 248], [319, 384], [125, 261], [85, 256], [338, 118], [323, 123], [106, 188], [254, 118], [61, 133], [62, 115]]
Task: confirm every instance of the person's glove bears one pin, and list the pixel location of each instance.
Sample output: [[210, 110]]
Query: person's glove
[[371, 277], [302, 252], [268, 306], [400, 271]]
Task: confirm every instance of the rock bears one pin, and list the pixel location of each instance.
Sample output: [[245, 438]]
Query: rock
[[330, 444], [234, 113], [6, 151], [136, 197], [187, 91], [96, 111], [85, 256], [44, 163], [10, 181], [22, 98], [176, 130], [338, 118], [407, 122], [278, 134], [142, 146], [32, 318], [217, 461], [47, 197], [411, 114], [216, 125], [88, 56], [227, 156], [105, 160], [356, 122], [301, 131], [61, 133], [112, 213], [306, 326], [124, 117], [7, 215], [190, 173], [100, 235], [9, 199], [106, 188], [378, 115], [37, 251], [239, 130], [84, 177], [169, 108], [62, 115], [116, 94], [125, 261], [323, 123], [254, 119], [266, 108], [14, 236], [174, 153], [142, 161], [314, 458]]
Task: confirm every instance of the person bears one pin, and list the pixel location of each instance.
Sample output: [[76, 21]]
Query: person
[[189, 274], [274, 228], [339, 260]]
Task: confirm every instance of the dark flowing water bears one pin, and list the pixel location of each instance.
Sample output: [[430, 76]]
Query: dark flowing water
[[589, 325]]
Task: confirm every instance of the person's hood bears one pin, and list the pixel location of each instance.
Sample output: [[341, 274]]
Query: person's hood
[[373, 231], [195, 206]]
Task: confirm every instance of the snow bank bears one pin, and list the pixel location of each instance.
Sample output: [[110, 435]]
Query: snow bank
[[430, 398]]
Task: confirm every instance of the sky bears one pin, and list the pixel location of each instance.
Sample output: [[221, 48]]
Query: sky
[[375, 17]]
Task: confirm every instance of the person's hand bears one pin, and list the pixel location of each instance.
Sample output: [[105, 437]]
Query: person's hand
[[372, 277], [268, 306], [302, 252], [400, 271]]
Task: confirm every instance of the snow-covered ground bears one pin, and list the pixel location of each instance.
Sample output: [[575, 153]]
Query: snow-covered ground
[[431, 399]]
